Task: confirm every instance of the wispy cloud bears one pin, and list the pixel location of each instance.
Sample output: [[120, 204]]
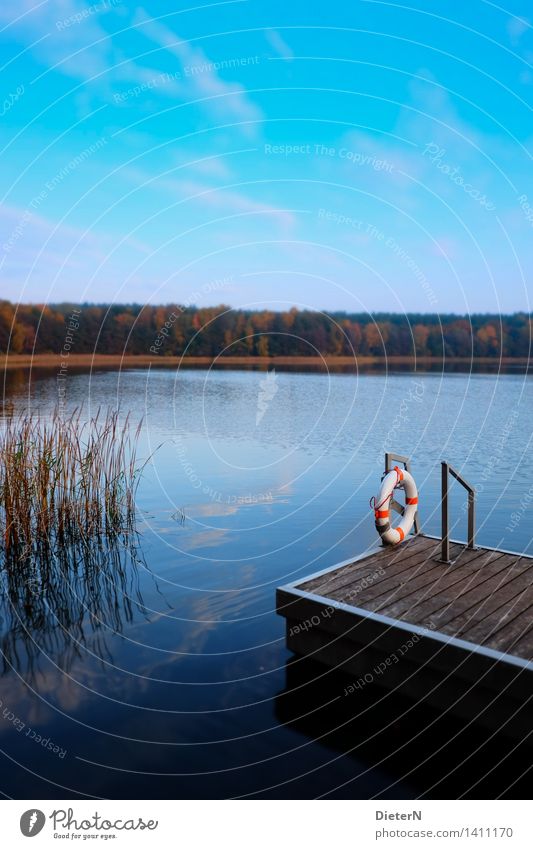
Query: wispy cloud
[[57, 47], [226, 99], [278, 44], [69, 37], [230, 200], [516, 27], [212, 167]]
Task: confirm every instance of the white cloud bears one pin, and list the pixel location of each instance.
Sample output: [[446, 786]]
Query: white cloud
[[212, 167], [64, 39], [516, 27], [230, 100], [278, 44], [229, 200]]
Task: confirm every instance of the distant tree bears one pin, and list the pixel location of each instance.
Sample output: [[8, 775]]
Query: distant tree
[[487, 341], [262, 346], [420, 337], [373, 340], [352, 337]]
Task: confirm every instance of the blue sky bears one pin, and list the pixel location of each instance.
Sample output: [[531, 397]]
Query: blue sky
[[352, 155]]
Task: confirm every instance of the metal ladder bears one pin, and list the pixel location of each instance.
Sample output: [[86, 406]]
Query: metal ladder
[[446, 470]]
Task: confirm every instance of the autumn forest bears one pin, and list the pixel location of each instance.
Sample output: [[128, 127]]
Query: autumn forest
[[172, 330]]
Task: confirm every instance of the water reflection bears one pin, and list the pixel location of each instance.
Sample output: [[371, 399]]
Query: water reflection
[[400, 748], [65, 602], [197, 697]]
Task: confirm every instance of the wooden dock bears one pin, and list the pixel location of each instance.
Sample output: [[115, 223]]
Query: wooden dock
[[458, 635]]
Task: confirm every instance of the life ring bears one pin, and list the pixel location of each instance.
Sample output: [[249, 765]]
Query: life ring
[[381, 504]]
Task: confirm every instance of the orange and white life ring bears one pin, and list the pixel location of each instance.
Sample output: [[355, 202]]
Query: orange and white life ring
[[397, 478]]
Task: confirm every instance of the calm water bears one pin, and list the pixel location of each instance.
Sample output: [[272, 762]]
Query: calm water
[[167, 675]]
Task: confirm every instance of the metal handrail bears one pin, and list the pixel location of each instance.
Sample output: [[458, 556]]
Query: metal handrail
[[446, 470], [390, 459]]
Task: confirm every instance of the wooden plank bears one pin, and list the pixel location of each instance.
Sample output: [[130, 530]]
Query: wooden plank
[[482, 631], [420, 571], [488, 599], [524, 646], [347, 574], [514, 625], [465, 565], [426, 601], [400, 565]]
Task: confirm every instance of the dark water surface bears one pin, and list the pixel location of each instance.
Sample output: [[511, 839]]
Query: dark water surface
[[161, 671]]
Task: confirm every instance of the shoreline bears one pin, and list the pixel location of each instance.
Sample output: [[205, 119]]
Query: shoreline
[[134, 360]]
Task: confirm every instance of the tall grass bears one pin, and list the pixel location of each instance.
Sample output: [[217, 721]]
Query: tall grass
[[65, 481]]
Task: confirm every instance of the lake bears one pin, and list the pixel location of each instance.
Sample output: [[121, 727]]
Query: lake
[[166, 674]]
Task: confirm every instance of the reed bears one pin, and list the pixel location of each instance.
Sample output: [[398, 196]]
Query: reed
[[65, 481]]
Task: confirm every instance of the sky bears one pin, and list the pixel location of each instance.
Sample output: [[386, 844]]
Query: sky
[[360, 155]]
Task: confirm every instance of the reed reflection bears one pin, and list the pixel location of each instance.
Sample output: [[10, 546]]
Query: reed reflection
[[69, 548], [68, 601]]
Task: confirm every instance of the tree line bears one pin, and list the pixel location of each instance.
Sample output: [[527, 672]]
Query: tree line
[[171, 330]]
